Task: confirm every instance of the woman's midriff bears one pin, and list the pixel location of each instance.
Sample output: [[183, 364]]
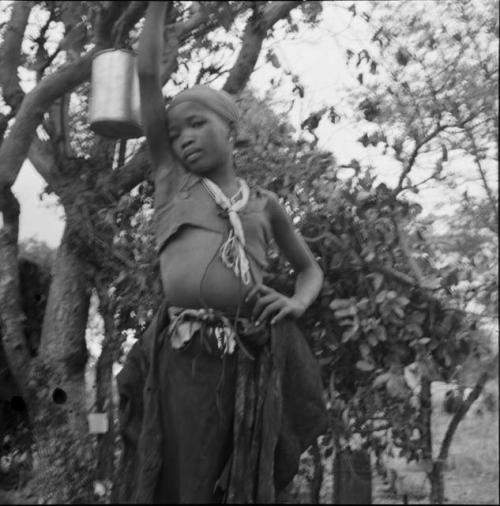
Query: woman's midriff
[[194, 276]]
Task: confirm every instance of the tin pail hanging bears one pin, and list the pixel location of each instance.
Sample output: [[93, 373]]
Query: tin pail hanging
[[114, 109]]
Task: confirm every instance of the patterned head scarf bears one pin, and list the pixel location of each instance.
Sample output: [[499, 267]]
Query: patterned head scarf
[[218, 101]]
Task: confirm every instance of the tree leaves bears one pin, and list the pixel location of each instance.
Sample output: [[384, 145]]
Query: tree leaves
[[312, 121], [394, 383], [273, 58], [403, 56], [396, 386], [312, 11], [340, 304], [369, 107], [365, 365]]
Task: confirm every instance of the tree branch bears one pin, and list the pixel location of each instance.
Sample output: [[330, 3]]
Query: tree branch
[[130, 16], [176, 34], [253, 36], [416, 150], [107, 16], [489, 193], [403, 243], [202, 21], [387, 270], [397, 275], [324, 235], [168, 63], [274, 11], [15, 147], [124, 178], [199, 17], [10, 54], [41, 155], [464, 408]]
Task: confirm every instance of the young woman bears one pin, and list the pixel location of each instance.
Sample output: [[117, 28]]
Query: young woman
[[224, 344]]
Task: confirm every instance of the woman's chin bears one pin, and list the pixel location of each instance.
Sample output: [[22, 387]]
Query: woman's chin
[[199, 170]]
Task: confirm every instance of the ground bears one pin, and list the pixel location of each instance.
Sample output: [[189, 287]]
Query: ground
[[471, 478], [473, 465]]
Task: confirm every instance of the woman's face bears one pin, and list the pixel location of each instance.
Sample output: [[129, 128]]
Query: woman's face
[[199, 137]]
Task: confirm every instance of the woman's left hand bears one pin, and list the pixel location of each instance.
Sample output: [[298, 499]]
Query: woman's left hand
[[269, 302]]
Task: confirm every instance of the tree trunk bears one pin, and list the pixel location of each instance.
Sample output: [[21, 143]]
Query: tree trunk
[[435, 475], [336, 451], [104, 404], [437, 482], [317, 476], [107, 468], [426, 417], [59, 413], [352, 477], [11, 314]]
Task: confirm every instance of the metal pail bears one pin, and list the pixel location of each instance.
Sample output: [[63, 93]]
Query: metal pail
[[114, 109]]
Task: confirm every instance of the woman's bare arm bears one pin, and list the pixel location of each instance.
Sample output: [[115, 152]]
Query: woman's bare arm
[[309, 275], [148, 65]]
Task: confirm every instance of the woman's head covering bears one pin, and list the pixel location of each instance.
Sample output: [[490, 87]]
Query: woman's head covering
[[218, 101]]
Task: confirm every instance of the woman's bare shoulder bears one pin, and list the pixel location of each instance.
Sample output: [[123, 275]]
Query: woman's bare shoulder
[[168, 182], [271, 202]]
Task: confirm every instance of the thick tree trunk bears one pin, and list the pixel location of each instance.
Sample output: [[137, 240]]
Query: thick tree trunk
[[11, 314], [59, 413]]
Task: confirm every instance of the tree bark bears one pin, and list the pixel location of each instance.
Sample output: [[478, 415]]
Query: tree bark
[[57, 377], [489, 193], [15, 147], [105, 468], [437, 482], [104, 404], [247, 58], [255, 33], [317, 476], [426, 428], [10, 54], [11, 314]]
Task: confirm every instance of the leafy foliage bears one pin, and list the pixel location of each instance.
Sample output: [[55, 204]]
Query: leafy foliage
[[428, 98], [430, 91]]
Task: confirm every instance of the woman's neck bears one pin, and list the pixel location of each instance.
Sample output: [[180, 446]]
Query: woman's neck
[[226, 181]]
